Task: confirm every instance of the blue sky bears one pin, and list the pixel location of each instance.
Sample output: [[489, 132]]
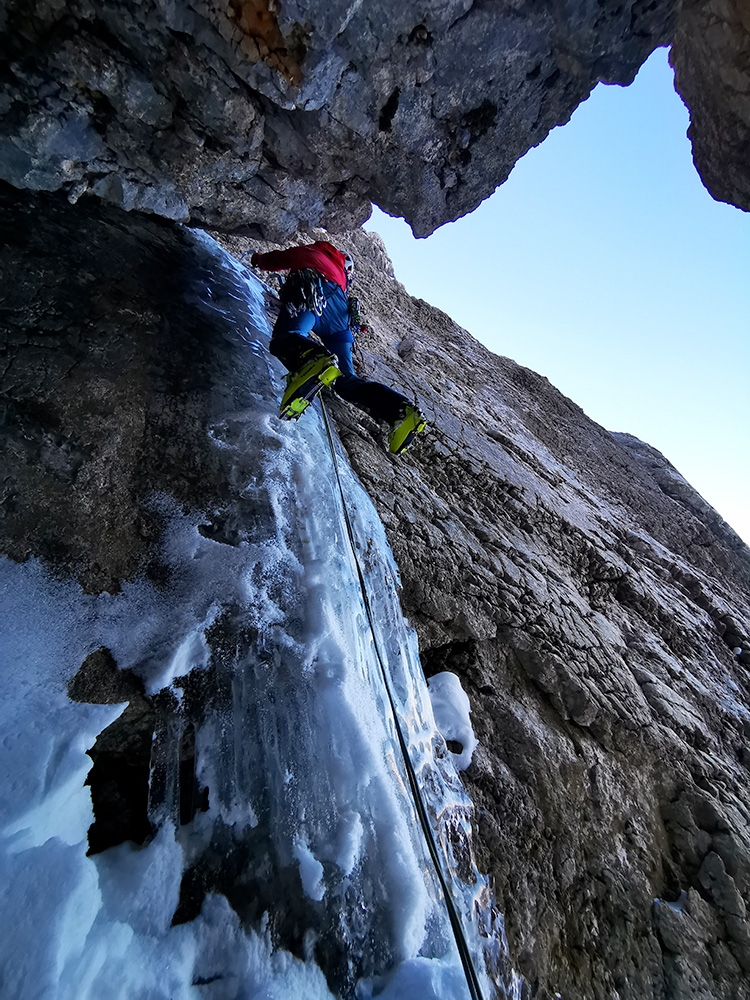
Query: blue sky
[[604, 264]]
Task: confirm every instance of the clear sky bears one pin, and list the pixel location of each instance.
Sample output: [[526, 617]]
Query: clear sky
[[604, 264]]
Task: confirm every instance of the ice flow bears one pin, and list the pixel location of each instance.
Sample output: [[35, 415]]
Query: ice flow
[[284, 857]]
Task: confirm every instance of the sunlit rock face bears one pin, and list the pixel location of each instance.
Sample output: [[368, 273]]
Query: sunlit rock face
[[264, 116], [592, 603], [711, 57]]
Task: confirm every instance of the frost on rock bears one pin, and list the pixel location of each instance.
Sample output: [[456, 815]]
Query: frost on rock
[[284, 859]]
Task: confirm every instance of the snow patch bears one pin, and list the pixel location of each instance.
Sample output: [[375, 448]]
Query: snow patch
[[192, 653], [451, 708], [310, 870]]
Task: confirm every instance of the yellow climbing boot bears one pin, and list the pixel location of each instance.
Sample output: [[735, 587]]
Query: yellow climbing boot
[[405, 430], [303, 385]]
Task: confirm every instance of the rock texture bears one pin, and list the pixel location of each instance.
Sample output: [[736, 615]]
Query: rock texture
[[97, 416], [258, 116], [711, 57], [591, 602]]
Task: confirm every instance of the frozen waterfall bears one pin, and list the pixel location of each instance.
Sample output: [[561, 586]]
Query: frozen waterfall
[[281, 855]]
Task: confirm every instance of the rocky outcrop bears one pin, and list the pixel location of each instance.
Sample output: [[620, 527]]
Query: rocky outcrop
[[711, 57], [259, 117], [592, 603]]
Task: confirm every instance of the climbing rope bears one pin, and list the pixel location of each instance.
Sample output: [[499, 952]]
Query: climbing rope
[[462, 945]]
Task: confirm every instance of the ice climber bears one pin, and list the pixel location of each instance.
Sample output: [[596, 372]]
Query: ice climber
[[315, 300]]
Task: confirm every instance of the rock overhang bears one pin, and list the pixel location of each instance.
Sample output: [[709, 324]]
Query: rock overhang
[[264, 117]]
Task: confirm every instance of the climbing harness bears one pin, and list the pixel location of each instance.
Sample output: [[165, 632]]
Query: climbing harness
[[303, 292], [462, 945]]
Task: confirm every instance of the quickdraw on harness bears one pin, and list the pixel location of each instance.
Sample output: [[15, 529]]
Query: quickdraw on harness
[[303, 292], [355, 316]]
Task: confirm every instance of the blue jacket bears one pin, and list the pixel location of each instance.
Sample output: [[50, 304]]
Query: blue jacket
[[333, 322]]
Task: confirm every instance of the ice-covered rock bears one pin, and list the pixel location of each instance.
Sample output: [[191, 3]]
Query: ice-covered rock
[[201, 780], [589, 601], [452, 711]]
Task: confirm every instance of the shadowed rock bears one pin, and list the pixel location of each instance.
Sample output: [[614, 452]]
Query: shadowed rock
[[256, 117], [259, 117], [711, 57]]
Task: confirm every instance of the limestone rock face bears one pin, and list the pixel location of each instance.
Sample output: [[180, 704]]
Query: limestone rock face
[[93, 422], [711, 57], [591, 602], [265, 116]]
